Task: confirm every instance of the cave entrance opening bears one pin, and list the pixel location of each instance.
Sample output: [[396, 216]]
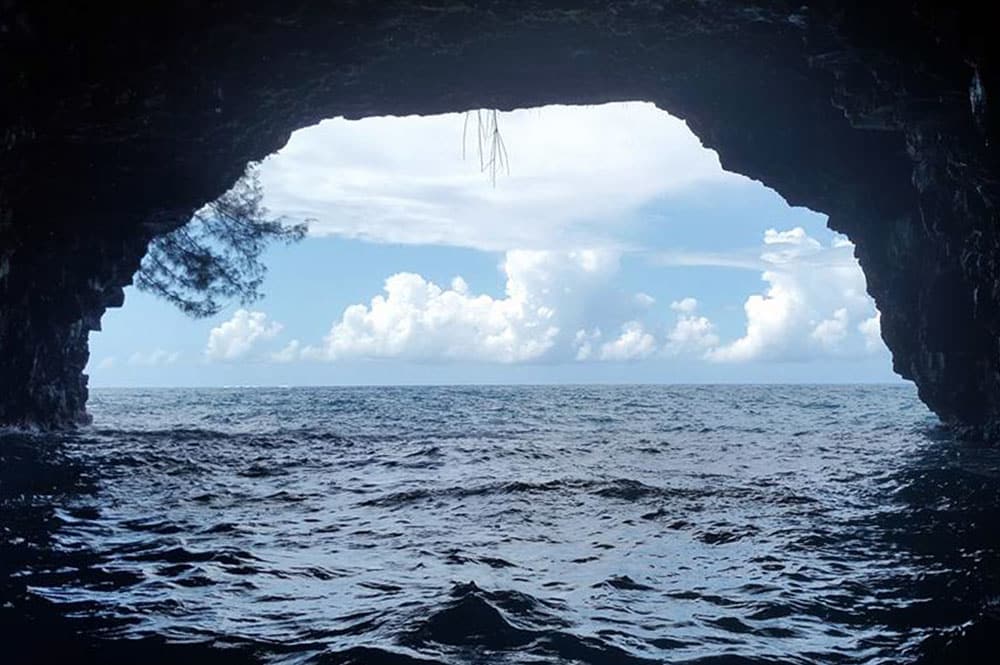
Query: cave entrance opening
[[563, 244]]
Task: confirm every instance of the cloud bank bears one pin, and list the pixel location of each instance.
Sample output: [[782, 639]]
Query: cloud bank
[[556, 305], [577, 176]]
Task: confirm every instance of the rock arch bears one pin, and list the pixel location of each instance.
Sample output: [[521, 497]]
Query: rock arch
[[118, 123]]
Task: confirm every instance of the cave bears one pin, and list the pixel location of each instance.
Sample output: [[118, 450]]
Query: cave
[[118, 123]]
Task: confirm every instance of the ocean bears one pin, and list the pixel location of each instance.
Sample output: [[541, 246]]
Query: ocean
[[501, 524]]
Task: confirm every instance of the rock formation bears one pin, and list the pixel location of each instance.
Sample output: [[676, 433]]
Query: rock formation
[[117, 122]]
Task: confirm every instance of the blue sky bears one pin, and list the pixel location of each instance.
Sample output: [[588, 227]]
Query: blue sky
[[615, 250]]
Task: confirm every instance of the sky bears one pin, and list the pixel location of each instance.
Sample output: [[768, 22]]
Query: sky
[[613, 249]]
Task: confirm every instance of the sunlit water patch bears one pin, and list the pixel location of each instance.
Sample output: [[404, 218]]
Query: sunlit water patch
[[780, 524]]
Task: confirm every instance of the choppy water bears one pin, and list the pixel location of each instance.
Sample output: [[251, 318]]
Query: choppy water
[[645, 524]]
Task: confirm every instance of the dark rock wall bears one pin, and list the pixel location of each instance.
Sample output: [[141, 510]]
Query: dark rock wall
[[118, 121]]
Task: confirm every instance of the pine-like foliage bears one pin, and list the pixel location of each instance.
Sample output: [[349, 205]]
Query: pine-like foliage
[[216, 257]]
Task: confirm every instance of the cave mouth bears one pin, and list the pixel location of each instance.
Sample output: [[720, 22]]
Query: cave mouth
[[605, 243]]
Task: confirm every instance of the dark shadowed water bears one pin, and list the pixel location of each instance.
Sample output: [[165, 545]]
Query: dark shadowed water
[[600, 524]]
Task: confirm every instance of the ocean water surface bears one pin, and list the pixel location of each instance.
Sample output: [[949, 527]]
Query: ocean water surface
[[569, 524]]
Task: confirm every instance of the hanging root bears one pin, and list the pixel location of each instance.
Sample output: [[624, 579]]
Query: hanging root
[[493, 158]]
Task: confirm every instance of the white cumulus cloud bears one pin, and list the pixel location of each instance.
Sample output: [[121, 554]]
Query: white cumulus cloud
[[634, 343], [691, 334], [685, 305], [815, 304], [546, 294], [290, 353], [236, 337]]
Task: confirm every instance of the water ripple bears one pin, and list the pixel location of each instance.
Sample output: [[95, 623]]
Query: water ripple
[[626, 524]]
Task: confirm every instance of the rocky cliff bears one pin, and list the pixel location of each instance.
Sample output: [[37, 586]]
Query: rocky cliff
[[118, 121]]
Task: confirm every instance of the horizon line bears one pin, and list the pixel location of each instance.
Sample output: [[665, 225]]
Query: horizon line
[[900, 382]]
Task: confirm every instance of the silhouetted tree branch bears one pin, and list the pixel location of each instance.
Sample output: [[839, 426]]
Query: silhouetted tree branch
[[216, 257]]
